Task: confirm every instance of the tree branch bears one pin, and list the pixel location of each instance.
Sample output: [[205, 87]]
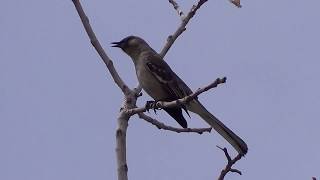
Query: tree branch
[[172, 38], [229, 165], [178, 102], [177, 8], [121, 150], [161, 125], [96, 44]]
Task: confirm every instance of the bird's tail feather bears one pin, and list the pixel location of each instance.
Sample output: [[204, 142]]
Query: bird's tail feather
[[196, 107], [176, 113]]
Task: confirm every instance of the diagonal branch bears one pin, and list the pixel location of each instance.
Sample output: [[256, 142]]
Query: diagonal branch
[[172, 38], [96, 44], [229, 165], [178, 102], [161, 125]]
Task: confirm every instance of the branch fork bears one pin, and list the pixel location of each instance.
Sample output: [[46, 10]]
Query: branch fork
[[230, 163]]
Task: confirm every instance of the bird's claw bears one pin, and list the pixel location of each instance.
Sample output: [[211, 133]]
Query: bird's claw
[[152, 105]]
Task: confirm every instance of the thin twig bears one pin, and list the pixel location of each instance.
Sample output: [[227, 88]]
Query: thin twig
[[96, 44], [177, 8], [178, 102], [161, 125], [172, 38], [229, 165]]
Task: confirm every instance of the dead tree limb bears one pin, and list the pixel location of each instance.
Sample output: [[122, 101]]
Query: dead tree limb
[[230, 163]]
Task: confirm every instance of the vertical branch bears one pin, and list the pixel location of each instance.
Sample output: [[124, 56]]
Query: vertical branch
[[121, 150]]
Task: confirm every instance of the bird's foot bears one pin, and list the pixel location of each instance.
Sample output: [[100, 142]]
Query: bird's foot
[[152, 105]]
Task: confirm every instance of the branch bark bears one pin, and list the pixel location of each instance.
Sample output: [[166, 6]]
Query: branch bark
[[121, 150]]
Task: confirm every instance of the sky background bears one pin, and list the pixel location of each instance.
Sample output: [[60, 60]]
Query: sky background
[[58, 103]]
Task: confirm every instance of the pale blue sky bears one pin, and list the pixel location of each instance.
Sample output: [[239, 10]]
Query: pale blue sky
[[58, 103]]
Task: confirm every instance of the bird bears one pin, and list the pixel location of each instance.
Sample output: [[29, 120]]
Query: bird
[[160, 82]]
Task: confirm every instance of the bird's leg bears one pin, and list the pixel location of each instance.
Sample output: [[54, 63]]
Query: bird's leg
[[152, 105]]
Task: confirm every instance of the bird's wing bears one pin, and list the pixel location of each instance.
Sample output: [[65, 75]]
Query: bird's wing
[[163, 73], [175, 87]]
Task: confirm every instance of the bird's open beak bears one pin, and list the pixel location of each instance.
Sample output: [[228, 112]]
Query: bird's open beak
[[116, 44]]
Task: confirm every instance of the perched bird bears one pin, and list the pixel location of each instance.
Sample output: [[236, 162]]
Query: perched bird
[[159, 81]]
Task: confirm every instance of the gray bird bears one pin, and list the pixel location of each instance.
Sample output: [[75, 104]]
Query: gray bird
[[162, 84]]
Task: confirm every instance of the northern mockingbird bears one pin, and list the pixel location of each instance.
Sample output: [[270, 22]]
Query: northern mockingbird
[[162, 84]]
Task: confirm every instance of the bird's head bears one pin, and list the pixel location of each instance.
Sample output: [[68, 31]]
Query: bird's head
[[132, 45]]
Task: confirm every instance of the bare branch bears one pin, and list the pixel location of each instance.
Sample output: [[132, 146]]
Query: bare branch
[[229, 165], [96, 44], [172, 38], [178, 102], [177, 8], [161, 125], [121, 150]]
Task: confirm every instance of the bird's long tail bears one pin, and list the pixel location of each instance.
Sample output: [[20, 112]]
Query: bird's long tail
[[196, 107]]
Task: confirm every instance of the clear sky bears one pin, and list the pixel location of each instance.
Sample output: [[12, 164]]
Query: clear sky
[[58, 103]]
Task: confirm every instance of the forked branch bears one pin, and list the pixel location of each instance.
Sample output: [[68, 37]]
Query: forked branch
[[230, 163]]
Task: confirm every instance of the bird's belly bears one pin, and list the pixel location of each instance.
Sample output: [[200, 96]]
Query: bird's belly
[[151, 86]]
